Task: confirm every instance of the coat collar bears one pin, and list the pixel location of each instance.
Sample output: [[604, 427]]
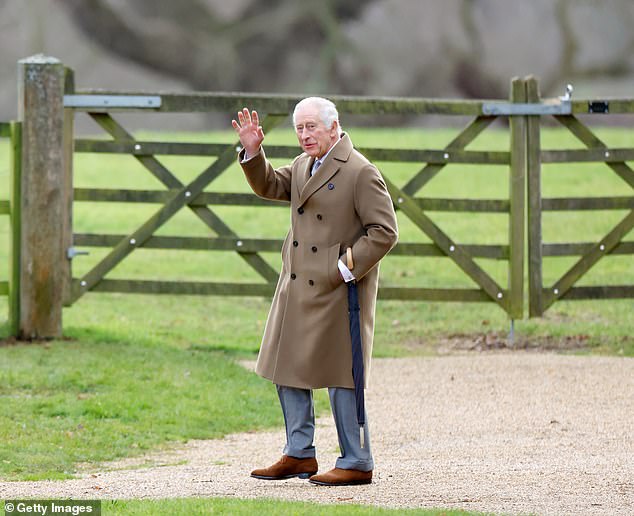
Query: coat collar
[[339, 154]]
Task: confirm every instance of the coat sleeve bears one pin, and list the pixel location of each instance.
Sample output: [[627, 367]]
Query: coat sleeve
[[374, 207], [267, 182]]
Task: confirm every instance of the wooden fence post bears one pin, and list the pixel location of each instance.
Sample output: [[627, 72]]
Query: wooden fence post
[[43, 204], [517, 191], [535, 301]]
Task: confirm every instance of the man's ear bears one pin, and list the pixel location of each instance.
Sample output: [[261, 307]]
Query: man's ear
[[334, 128]]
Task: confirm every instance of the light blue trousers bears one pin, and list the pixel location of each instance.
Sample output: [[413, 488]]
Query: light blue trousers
[[299, 418]]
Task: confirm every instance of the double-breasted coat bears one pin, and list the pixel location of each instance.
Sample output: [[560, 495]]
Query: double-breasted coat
[[306, 342]]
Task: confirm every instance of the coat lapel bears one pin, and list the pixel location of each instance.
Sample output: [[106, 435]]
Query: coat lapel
[[337, 157], [303, 175]]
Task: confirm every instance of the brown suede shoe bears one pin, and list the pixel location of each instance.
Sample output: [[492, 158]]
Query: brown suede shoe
[[287, 467], [342, 477]]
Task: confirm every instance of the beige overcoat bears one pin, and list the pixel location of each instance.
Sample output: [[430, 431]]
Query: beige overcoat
[[306, 341]]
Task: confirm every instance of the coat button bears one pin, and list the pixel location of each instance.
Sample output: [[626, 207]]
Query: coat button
[[319, 217], [300, 210], [293, 275], [313, 249], [311, 282], [295, 243]]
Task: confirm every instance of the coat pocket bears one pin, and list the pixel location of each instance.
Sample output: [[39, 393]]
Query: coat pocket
[[318, 267]]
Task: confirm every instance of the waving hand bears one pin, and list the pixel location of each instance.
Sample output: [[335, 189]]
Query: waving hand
[[249, 131]]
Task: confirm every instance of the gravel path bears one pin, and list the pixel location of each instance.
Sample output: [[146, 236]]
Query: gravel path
[[511, 433]]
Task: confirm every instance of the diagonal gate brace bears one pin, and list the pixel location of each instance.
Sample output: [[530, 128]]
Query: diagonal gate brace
[[450, 248], [168, 179], [609, 242], [465, 137], [590, 140], [165, 213]]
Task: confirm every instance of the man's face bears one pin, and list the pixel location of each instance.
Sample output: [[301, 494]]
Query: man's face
[[313, 136]]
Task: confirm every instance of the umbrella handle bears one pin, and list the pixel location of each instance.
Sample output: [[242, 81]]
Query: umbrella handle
[[350, 262]]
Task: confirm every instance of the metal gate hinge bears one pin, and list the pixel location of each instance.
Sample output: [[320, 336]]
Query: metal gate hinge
[[559, 106], [71, 252], [112, 101]]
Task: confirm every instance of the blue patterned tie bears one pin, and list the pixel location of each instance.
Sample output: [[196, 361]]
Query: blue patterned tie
[[316, 165]]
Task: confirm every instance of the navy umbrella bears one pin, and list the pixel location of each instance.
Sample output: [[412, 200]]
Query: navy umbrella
[[357, 349]]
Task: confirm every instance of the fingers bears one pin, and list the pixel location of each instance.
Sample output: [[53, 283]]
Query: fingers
[[247, 118], [248, 122]]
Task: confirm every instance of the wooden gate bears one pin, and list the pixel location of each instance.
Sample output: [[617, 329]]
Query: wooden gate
[[590, 253], [192, 196]]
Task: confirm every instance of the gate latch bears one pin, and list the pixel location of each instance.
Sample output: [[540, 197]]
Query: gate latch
[[71, 252], [598, 106]]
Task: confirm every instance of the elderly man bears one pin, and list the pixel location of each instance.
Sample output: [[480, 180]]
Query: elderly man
[[338, 201]]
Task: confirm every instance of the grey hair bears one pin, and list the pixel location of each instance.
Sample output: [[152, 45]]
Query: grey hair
[[327, 110]]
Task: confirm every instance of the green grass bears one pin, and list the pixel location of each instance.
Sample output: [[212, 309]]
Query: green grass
[[106, 395], [140, 372], [263, 507], [249, 507]]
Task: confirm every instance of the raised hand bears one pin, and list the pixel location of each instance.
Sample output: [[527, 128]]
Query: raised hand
[[249, 131]]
